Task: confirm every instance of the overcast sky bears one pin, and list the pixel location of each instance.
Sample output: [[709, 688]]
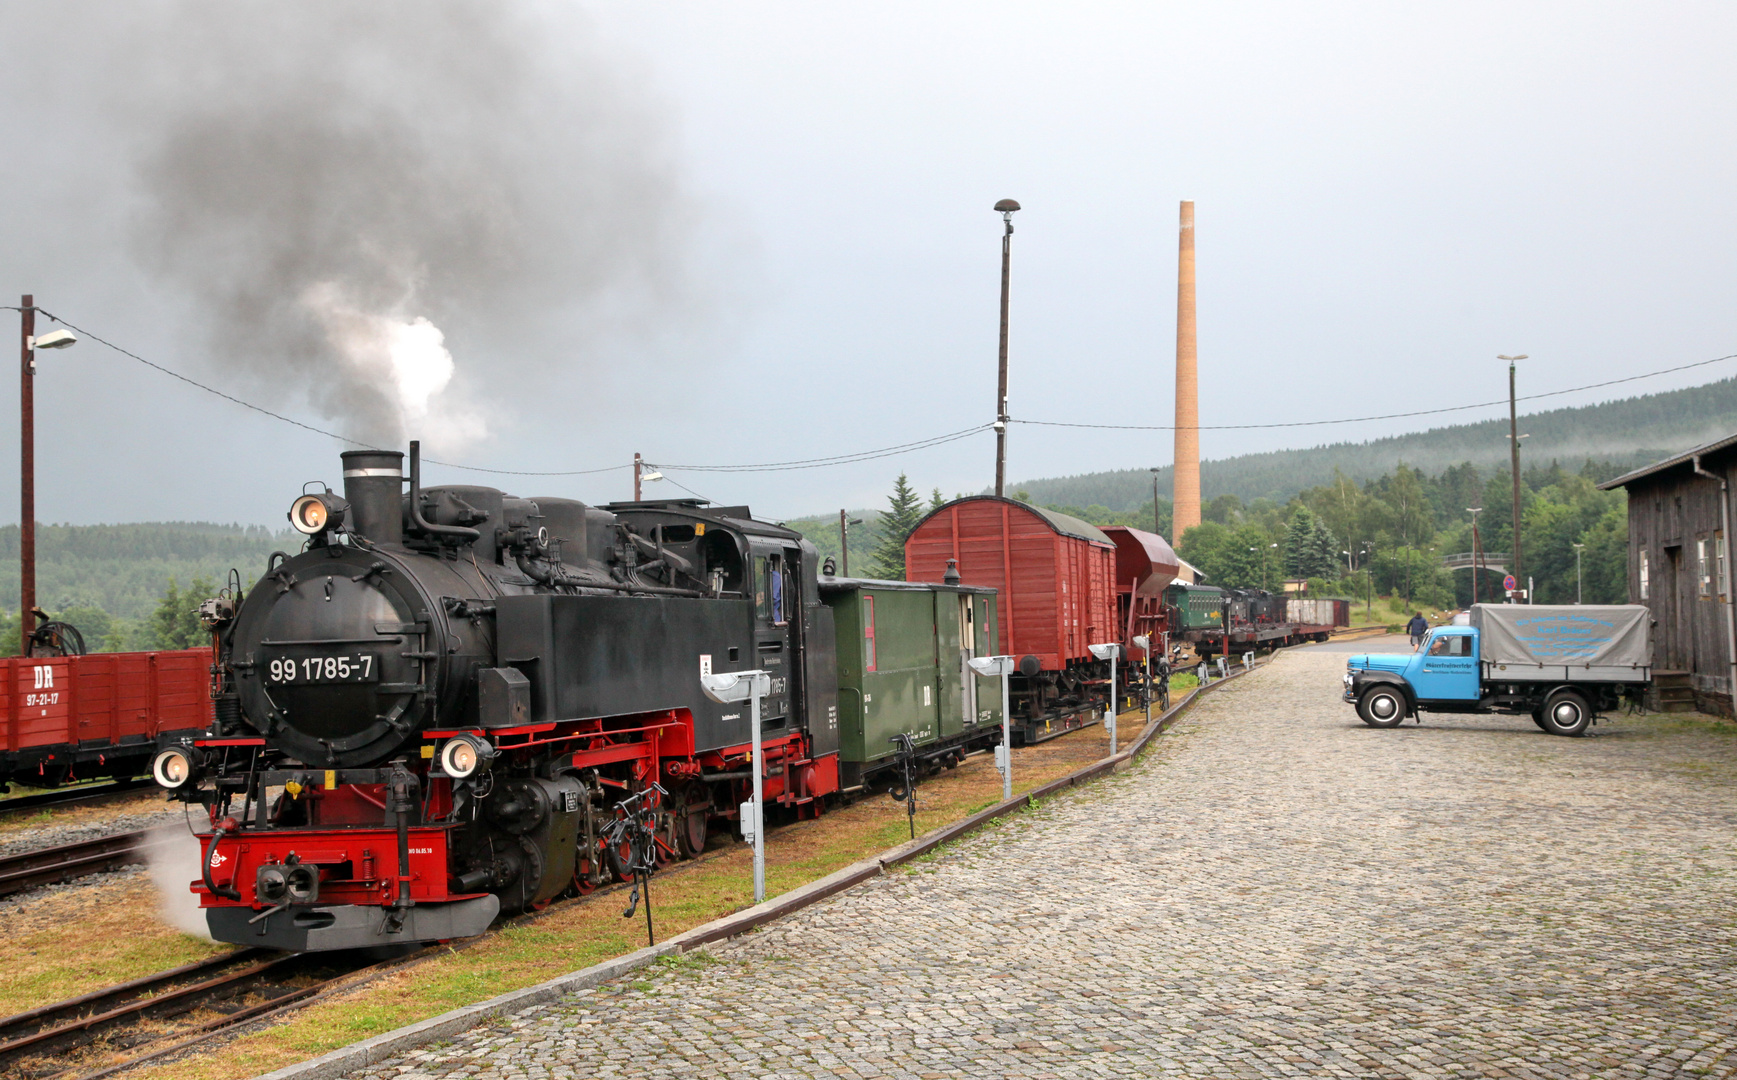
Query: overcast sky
[[760, 232]]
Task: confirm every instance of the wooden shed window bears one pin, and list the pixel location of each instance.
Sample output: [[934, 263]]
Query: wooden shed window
[[1703, 570], [868, 633], [1720, 561], [1643, 575]]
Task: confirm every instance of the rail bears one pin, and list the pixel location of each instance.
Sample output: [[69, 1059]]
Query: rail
[[78, 794], [52, 865]]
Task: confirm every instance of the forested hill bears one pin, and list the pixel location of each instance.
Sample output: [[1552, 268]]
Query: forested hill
[[1623, 434], [123, 569]]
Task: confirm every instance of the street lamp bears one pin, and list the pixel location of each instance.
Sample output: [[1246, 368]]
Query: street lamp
[[1477, 549], [733, 688], [1577, 548], [641, 476], [990, 667], [29, 343], [844, 525], [1110, 652], [1155, 500], [1005, 208]]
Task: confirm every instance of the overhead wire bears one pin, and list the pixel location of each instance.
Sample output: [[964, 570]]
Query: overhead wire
[[865, 455]]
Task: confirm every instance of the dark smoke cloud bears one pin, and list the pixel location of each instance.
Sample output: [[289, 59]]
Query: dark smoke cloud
[[335, 185]]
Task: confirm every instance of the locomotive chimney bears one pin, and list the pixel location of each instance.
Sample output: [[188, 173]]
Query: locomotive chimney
[[374, 487], [1186, 475]]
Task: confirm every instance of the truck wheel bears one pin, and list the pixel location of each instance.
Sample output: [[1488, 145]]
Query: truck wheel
[[1382, 706], [1565, 713]]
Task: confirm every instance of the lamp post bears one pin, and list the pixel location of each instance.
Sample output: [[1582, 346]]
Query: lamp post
[[28, 344], [1577, 548], [732, 688], [1155, 528], [844, 525], [1514, 438], [1110, 652], [989, 667], [1477, 549], [1005, 208], [642, 476]]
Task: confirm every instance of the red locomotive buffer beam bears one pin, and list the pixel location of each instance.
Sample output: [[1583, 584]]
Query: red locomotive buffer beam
[[316, 868]]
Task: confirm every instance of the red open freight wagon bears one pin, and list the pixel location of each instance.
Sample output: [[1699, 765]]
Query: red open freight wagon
[[1055, 576], [65, 718]]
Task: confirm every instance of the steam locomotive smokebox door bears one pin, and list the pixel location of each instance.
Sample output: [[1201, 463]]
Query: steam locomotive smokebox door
[[503, 697]]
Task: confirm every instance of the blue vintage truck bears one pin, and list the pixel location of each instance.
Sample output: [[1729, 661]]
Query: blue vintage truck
[[1562, 664]]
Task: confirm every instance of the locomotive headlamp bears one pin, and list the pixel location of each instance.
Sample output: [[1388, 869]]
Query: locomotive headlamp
[[312, 514], [174, 768], [463, 755]]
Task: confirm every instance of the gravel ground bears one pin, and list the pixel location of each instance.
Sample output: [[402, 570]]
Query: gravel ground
[[71, 829], [1279, 891]]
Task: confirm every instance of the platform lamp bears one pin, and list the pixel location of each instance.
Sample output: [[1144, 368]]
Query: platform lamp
[[990, 667], [29, 342], [733, 688], [1111, 652]]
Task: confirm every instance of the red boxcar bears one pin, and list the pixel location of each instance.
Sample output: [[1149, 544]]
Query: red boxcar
[[1056, 578], [1145, 564], [65, 718]]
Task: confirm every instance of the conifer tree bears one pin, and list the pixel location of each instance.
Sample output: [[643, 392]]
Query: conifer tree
[[904, 510]]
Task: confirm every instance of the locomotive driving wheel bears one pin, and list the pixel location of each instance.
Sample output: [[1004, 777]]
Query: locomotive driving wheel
[[689, 814]]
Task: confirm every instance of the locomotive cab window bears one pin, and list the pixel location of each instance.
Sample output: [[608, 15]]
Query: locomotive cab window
[[776, 586], [762, 590]]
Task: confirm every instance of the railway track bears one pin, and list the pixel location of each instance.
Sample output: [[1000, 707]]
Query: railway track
[[51, 865], [83, 793], [188, 1002]]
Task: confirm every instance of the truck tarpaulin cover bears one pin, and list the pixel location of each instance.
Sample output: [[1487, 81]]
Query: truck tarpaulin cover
[[1571, 635]]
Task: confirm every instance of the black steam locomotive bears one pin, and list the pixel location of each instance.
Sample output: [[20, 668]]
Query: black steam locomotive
[[426, 716]]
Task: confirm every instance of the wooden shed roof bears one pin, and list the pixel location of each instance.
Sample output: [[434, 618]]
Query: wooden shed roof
[[1686, 458]]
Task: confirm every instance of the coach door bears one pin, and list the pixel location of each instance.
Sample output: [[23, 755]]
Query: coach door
[[967, 652]]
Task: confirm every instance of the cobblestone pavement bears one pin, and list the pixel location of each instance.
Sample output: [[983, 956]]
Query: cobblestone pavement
[[1278, 891]]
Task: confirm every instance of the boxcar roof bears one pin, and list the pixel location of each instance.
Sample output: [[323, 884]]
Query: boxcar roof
[[1064, 524]]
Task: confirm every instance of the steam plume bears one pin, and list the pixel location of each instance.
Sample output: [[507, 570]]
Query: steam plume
[[361, 196]]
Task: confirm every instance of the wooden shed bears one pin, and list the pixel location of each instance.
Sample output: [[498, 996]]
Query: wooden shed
[[1678, 567], [1055, 574]]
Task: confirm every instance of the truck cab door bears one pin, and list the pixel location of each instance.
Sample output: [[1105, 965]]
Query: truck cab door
[[1446, 668]]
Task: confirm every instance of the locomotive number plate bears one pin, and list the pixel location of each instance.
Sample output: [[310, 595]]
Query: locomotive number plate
[[351, 667]]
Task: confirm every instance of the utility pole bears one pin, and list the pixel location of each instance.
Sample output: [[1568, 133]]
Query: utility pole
[[1005, 208], [844, 542], [1514, 458], [1155, 528], [1477, 549], [638, 463], [27, 473], [1577, 548]]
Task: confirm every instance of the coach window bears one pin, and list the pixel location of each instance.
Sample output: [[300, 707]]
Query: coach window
[[868, 632]]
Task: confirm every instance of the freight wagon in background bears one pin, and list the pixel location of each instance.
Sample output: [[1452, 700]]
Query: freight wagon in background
[[1145, 567], [66, 718], [1055, 578]]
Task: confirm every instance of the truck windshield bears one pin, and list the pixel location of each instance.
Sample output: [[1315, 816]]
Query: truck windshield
[[1451, 645]]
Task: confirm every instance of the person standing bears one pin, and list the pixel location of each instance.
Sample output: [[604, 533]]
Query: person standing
[[1417, 627]]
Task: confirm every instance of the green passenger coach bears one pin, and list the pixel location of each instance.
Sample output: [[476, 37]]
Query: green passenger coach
[[903, 652]]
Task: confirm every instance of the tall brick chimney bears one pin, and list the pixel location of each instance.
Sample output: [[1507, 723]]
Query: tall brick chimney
[[1187, 470]]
